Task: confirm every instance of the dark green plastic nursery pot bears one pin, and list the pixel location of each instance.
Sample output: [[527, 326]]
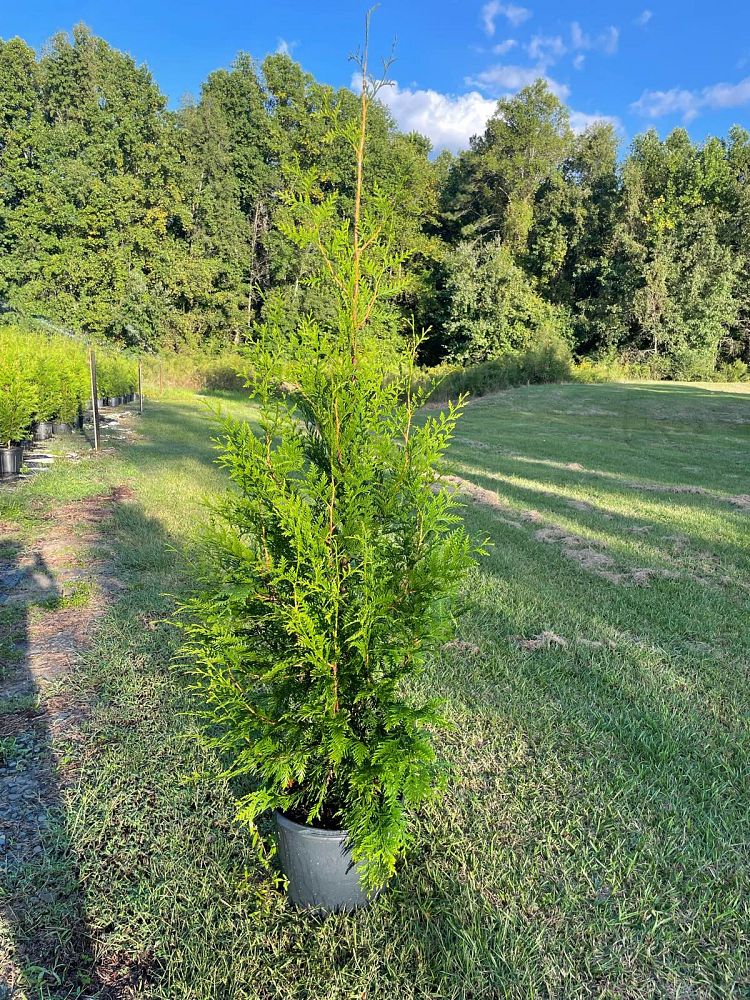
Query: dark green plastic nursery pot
[[319, 867], [10, 460], [43, 430]]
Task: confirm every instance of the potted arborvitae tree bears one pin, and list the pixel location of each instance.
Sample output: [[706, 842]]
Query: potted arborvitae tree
[[17, 407], [72, 387], [45, 374], [330, 569]]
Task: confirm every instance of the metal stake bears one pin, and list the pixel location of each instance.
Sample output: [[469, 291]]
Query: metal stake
[[94, 397]]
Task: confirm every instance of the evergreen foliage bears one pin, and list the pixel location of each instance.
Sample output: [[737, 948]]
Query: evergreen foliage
[[128, 221], [45, 376], [332, 563], [18, 400], [494, 308]]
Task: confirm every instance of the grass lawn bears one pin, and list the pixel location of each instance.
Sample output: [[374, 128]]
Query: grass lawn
[[594, 839]]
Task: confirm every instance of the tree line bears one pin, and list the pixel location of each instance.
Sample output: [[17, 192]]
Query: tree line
[[168, 228]]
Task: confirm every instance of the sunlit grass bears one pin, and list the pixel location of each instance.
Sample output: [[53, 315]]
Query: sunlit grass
[[592, 841]]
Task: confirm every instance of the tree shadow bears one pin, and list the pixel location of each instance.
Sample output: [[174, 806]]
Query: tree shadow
[[47, 949], [173, 435], [696, 391], [639, 744], [664, 520], [37, 866]]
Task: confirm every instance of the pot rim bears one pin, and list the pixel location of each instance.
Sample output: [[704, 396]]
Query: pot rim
[[309, 831]]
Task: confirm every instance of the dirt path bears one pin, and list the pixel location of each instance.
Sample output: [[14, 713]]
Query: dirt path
[[52, 591]]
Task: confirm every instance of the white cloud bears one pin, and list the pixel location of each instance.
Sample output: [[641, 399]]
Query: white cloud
[[577, 38], [656, 103], [507, 77], [728, 95], [546, 48], [502, 48], [643, 18], [284, 47], [690, 103], [610, 40], [449, 120], [580, 121], [607, 42], [494, 9]]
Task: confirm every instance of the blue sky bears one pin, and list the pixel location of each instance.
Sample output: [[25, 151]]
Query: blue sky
[[660, 63]]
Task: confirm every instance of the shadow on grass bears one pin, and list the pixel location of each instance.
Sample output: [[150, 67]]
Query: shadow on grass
[[587, 761], [652, 676], [49, 948], [174, 432], [46, 950], [176, 900], [557, 500], [692, 392]]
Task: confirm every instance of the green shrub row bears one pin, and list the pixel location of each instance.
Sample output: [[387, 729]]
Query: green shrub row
[[688, 367], [116, 375], [186, 370], [547, 360], [45, 377]]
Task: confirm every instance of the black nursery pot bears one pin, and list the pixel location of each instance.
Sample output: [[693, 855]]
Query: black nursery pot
[[60, 427], [43, 430], [111, 400], [10, 460], [319, 867]]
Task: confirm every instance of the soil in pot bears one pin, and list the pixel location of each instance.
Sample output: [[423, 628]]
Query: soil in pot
[[10, 460], [43, 430], [318, 864]]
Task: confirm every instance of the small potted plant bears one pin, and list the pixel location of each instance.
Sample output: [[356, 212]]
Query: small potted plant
[[329, 570], [18, 399], [67, 418], [71, 391], [46, 378], [43, 430]]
